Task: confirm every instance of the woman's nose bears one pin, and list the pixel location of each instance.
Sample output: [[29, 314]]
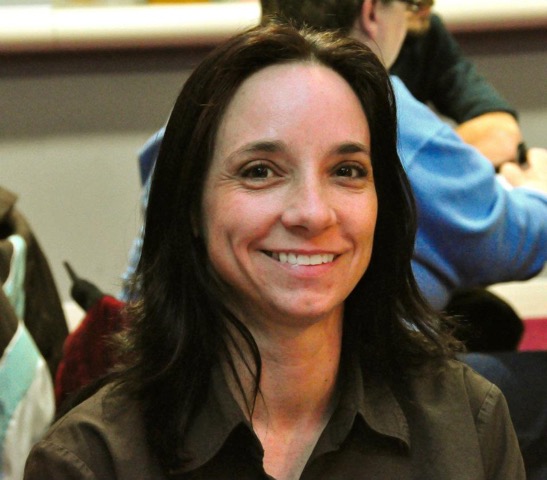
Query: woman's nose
[[309, 207]]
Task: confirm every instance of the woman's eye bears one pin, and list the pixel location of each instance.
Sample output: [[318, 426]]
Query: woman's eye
[[257, 171], [350, 171]]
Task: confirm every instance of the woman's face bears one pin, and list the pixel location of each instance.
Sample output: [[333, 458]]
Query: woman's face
[[289, 205]]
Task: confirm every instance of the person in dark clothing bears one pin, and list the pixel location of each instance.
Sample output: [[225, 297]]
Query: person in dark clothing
[[487, 322], [436, 71], [39, 303]]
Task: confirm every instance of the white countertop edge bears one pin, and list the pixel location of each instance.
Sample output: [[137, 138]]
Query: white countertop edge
[[527, 298], [46, 28], [484, 15]]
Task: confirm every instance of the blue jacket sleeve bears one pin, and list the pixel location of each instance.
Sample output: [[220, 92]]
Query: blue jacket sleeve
[[147, 160], [471, 229]]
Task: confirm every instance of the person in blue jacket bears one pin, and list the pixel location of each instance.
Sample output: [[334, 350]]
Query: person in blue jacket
[[473, 228]]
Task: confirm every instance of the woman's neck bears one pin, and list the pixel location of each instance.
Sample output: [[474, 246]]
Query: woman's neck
[[297, 391], [298, 375]]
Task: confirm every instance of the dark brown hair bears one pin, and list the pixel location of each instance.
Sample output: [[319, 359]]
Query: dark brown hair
[[180, 325], [323, 15]]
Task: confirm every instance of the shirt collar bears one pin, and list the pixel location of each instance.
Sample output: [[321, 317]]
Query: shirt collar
[[379, 408], [374, 403], [370, 402], [213, 425]]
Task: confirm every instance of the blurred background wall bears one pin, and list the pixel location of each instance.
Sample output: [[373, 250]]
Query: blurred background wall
[[71, 125]]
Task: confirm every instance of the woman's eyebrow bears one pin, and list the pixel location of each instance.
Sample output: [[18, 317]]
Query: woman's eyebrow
[[352, 147], [261, 146], [275, 146]]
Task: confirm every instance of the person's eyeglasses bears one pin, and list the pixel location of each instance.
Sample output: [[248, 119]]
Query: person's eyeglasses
[[418, 5]]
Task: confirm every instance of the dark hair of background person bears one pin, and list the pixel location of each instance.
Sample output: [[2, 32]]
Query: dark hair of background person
[[487, 323], [323, 15], [181, 326]]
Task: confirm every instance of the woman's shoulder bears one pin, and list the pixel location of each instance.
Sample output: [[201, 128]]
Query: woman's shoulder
[[460, 408], [99, 438], [476, 386], [493, 427], [108, 409], [458, 422], [455, 385]]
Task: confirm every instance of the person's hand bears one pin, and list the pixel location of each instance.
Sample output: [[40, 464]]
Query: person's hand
[[532, 174], [495, 134]]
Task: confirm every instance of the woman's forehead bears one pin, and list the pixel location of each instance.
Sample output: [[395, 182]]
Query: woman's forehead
[[280, 98]]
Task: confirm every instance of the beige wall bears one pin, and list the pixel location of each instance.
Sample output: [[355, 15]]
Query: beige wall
[[71, 124]]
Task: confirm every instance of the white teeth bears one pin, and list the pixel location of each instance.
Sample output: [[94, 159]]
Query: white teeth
[[294, 259], [316, 259]]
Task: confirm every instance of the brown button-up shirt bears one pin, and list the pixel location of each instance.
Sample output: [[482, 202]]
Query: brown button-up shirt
[[447, 426]]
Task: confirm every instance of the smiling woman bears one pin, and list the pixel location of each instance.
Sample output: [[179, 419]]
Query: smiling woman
[[280, 332]]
